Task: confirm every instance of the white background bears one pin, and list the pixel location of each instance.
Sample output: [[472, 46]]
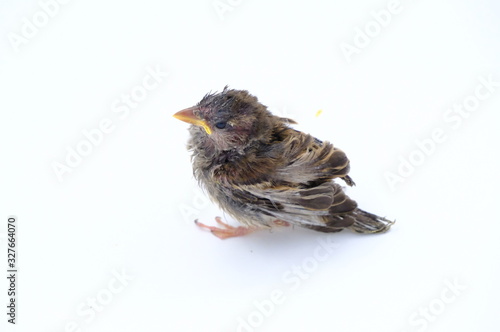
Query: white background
[[128, 206]]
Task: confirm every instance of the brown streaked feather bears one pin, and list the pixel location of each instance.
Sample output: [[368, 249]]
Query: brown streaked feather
[[310, 160]]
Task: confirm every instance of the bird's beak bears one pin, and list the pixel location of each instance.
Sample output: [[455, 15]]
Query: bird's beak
[[187, 115]]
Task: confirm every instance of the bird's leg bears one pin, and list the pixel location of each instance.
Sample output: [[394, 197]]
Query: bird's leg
[[226, 231]]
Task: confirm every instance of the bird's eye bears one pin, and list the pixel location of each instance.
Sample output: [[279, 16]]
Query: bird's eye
[[220, 125]]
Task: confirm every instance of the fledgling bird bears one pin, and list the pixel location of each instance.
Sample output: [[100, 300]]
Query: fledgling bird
[[264, 173]]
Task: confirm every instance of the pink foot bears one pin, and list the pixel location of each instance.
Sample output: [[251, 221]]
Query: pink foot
[[226, 231]]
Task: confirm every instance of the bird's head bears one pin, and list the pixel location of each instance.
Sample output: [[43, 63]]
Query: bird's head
[[231, 119]]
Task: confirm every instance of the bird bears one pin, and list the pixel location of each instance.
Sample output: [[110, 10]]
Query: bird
[[265, 174]]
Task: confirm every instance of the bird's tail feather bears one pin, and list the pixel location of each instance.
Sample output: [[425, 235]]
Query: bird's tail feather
[[366, 222]]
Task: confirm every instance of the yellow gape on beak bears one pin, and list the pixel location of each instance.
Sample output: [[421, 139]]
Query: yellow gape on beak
[[187, 115]]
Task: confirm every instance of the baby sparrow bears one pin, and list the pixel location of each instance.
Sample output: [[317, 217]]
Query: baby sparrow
[[264, 173]]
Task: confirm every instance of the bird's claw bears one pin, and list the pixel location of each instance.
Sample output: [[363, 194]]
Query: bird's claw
[[225, 231]]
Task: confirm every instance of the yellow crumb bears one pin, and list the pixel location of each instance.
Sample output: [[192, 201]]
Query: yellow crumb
[[318, 113]]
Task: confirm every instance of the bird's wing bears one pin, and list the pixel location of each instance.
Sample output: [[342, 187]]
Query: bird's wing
[[322, 205], [300, 190], [309, 160]]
